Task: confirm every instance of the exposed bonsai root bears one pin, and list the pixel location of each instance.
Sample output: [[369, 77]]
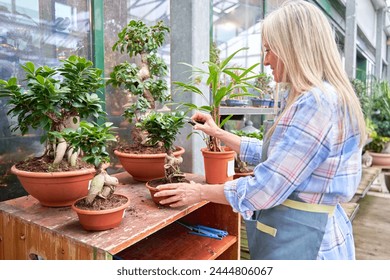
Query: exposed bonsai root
[[102, 185]]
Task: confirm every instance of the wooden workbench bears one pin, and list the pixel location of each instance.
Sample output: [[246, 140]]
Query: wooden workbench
[[29, 230]]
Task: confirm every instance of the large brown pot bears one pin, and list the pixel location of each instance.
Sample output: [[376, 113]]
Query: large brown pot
[[96, 220], [145, 167], [218, 166], [55, 189]]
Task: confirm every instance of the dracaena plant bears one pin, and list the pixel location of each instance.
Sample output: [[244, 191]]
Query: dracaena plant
[[224, 81], [146, 80], [54, 99]]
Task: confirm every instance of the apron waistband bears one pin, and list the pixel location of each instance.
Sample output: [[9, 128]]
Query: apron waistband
[[309, 207]]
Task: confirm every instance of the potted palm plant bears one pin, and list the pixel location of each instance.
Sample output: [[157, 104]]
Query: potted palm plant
[[54, 99], [146, 82], [237, 85], [101, 208]]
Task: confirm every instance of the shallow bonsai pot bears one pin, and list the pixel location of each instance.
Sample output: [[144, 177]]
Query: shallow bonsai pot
[[145, 167], [380, 159], [97, 220], [237, 102], [242, 174], [55, 189]]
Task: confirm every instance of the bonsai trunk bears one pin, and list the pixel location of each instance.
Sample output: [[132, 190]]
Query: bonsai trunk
[[102, 185], [144, 74], [172, 168]]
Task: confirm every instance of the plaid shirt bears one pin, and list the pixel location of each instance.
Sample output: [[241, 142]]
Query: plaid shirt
[[310, 155]]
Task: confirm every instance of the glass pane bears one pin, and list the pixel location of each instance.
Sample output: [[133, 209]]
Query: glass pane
[[41, 31]]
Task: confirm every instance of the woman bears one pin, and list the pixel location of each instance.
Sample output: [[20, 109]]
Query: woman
[[310, 161]]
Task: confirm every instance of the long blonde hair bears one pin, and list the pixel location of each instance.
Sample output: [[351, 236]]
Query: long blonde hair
[[301, 36]]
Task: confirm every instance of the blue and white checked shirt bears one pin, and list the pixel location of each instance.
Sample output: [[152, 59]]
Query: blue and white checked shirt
[[309, 154]]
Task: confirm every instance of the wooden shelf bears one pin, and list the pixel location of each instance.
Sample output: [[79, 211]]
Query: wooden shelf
[[174, 242], [27, 228], [351, 208]]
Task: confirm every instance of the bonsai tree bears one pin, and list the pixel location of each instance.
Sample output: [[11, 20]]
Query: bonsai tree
[[242, 166], [145, 81], [92, 139], [237, 85], [54, 99], [162, 130]]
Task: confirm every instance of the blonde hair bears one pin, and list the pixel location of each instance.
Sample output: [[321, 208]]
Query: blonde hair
[[301, 36]]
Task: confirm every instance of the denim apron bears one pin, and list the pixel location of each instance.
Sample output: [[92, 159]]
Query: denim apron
[[291, 231]]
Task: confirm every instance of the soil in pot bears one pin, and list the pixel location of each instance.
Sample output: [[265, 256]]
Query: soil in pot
[[152, 184], [103, 214], [102, 204], [44, 164]]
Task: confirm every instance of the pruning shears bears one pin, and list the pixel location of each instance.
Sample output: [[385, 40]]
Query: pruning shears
[[205, 231]]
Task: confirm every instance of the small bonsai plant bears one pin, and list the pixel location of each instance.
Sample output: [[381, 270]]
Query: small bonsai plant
[[55, 99], [101, 209], [145, 81], [163, 129], [239, 80], [92, 139], [242, 166]]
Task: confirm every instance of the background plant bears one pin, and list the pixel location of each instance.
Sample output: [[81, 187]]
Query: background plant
[[242, 166]]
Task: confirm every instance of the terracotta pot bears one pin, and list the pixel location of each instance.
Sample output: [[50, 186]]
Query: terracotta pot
[[145, 167], [96, 220], [380, 159], [151, 185], [242, 174], [55, 189], [217, 165]]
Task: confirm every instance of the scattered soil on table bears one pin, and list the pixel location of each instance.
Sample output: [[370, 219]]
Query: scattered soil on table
[[101, 203]]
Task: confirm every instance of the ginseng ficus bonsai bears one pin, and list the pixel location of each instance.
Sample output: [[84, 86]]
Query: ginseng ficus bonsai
[[54, 99], [146, 80], [162, 130]]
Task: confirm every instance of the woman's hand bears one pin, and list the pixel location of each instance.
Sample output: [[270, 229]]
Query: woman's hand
[[205, 123], [180, 194]]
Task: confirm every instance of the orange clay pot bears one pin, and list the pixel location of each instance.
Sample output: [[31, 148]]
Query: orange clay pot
[[145, 167], [55, 189], [217, 165], [97, 220]]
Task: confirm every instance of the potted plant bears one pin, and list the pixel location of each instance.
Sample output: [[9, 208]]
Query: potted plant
[[265, 91], [241, 168], [146, 82], [101, 208], [379, 116], [239, 79], [54, 99], [162, 130]]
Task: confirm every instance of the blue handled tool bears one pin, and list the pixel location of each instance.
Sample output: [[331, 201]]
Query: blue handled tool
[[205, 231]]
